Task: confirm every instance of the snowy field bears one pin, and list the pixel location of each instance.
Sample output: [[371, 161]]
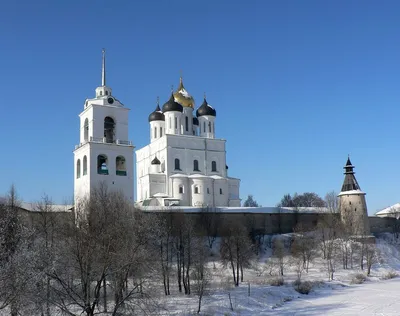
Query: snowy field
[[375, 296]]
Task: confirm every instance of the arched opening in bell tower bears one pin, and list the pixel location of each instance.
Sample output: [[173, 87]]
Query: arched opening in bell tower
[[120, 166], [102, 164], [86, 130], [109, 129]]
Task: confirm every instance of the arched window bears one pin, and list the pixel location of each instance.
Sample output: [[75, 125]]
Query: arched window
[[109, 129], [102, 167], [101, 92], [84, 165], [177, 164], [209, 127], [160, 131], [86, 130], [180, 189], [176, 123], [78, 169], [196, 165], [106, 92], [220, 191], [120, 166], [204, 127], [155, 132], [214, 166], [186, 123], [208, 190], [170, 123], [196, 190]]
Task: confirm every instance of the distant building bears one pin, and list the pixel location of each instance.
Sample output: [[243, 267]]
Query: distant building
[[184, 164], [391, 211]]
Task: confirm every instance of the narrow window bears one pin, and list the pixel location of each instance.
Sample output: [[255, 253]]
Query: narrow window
[[208, 190], [101, 92], [214, 166], [176, 123], [84, 165], [109, 129], [106, 92], [187, 123], [120, 166], [102, 167], [170, 123], [209, 127], [86, 130], [196, 190], [155, 132], [220, 191], [78, 169], [160, 131], [196, 165], [181, 190], [204, 127], [177, 164]]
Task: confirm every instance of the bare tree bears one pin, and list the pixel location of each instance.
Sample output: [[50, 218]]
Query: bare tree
[[370, 256], [210, 221], [278, 253], [303, 245], [236, 250]]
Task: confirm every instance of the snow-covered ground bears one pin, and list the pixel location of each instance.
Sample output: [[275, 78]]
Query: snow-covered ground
[[339, 297]]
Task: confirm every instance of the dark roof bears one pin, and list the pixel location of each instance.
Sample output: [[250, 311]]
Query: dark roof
[[206, 109], [155, 161], [157, 115], [172, 105], [195, 121], [350, 182]]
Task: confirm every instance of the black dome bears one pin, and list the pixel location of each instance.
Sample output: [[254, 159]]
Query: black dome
[[155, 161], [171, 105], [157, 115], [205, 109], [195, 121]]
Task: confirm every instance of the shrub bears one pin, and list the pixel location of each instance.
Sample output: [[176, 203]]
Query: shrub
[[278, 281], [302, 287], [390, 275], [358, 278]]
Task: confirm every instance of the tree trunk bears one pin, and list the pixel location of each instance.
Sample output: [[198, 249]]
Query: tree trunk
[[105, 294]]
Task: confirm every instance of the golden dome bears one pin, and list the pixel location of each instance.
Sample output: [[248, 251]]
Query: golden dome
[[183, 97]]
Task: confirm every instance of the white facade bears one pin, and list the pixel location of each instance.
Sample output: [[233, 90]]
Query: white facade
[[191, 170], [104, 154]]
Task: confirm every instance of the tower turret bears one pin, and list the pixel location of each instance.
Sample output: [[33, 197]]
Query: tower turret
[[352, 204], [157, 123], [206, 115], [173, 112], [186, 100]]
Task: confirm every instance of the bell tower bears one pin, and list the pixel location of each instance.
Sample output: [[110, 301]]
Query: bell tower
[[104, 154]]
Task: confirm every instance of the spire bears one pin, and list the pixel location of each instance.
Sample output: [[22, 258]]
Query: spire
[[350, 182], [103, 68]]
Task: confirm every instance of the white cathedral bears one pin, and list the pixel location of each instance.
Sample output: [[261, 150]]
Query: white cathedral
[[184, 164]]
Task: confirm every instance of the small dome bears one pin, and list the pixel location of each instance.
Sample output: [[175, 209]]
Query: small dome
[[195, 121], [171, 105], [157, 115], [183, 97], [155, 161], [206, 109]]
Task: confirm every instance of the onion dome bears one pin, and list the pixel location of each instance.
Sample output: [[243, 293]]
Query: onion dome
[[172, 105], [157, 115], [155, 161], [183, 97], [206, 109], [195, 121]]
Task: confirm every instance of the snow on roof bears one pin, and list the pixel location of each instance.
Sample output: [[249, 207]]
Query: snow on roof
[[185, 93], [32, 207], [351, 192], [389, 210], [179, 175], [268, 210]]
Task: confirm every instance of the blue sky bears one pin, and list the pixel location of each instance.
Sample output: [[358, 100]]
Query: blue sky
[[297, 85]]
